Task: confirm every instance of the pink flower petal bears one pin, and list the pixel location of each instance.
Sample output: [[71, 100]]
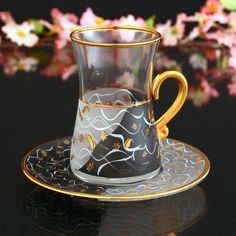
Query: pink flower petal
[[232, 62], [208, 89], [68, 71], [31, 40], [232, 86], [56, 13], [88, 18], [6, 17], [60, 43]]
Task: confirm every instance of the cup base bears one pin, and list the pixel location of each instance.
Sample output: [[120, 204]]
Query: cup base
[[115, 181]]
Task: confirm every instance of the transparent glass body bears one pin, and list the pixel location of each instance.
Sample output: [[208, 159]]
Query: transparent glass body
[[114, 140], [115, 57]]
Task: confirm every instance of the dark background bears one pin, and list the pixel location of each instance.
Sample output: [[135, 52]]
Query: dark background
[[109, 9], [34, 109]]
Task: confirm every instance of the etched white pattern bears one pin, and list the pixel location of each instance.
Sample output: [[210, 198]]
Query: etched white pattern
[[92, 120], [136, 148], [181, 165], [118, 114], [102, 125], [176, 171], [113, 95], [93, 123]]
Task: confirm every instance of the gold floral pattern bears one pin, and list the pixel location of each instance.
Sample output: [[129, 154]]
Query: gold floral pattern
[[126, 98], [91, 141], [166, 181], [144, 154], [147, 131], [44, 153], [128, 142], [134, 126], [90, 166], [85, 109], [108, 103], [81, 138], [103, 135], [116, 145], [66, 141]]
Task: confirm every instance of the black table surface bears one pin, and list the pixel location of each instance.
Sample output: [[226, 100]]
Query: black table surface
[[36, 108]]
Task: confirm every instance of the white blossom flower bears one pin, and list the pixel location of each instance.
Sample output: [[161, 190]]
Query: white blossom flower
[[198, 61], [27, 64], [21, 34], [88, 18], [172, 34], [128, 21]]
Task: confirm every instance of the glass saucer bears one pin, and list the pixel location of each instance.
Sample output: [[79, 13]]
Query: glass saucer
[[183, 166]]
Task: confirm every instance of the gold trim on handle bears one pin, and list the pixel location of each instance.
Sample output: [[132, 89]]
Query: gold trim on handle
[[161, 127]]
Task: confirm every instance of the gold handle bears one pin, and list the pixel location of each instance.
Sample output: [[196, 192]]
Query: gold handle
[[161, 127]]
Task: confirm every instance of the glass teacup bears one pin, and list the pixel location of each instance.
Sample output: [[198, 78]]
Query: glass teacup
[[116, 137]]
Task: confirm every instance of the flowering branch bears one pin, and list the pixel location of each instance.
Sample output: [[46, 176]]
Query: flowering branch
[[214, 24]]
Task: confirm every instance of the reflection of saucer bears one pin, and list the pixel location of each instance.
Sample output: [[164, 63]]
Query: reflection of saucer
[[183, 167], [64, 215]]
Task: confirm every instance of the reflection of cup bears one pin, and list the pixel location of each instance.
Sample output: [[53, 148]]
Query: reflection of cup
[[65, 215], [116, 138]]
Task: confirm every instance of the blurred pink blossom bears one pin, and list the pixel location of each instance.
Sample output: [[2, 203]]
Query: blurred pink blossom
[[17, 61], [212, 7], [163, 28], [198, 96], [164, 62], [126, 80], [203, 20], [198, 61], [232, 21], [202, 94], [6, 17], [88, 18], [232, 86], [62, 65], [130, 21], [232, 62], [27, 64], [205, 23], [232, 59], [208, 89], [212, 54], [68, 71], [172, 34], [211, 73], [222, 37], [63, 25], [10, 66]]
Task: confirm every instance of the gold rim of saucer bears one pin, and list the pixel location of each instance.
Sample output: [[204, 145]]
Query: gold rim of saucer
[[134, 197], [117, 45]]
